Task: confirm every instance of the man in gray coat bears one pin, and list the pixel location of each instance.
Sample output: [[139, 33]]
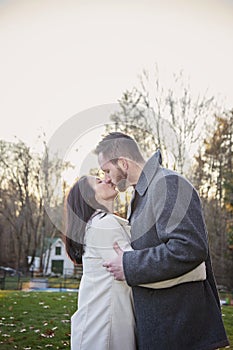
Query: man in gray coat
[[169, 238]]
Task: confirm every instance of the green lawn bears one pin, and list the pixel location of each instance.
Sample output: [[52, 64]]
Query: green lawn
[[36, 320], [41, 320], [227, 313]]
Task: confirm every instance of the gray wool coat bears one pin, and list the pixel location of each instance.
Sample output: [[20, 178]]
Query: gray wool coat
[[169, 238]]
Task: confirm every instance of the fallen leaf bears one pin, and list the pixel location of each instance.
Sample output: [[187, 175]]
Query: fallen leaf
[[49, 333], [22, 330]]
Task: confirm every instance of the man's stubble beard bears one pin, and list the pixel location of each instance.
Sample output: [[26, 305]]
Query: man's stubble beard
[[121, 180]]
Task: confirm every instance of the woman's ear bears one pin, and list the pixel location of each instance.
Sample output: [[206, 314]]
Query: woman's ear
[[123, 163]]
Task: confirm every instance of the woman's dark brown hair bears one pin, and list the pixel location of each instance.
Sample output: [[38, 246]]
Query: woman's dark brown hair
[[80, 206]]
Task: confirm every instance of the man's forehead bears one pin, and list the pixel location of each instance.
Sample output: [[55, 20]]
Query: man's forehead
[[103, 161]]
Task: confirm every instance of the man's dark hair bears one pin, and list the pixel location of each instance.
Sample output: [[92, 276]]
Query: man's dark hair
[[116, 145]]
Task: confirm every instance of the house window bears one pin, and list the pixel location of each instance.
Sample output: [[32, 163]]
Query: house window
[[58, 251]]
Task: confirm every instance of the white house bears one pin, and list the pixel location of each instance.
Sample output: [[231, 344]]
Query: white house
[[36, 263], [56, 260]]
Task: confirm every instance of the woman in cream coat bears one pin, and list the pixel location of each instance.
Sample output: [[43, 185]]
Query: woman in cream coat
[[105, 316]]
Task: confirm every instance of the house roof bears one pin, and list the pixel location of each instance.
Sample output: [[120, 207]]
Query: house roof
[[53, 241]]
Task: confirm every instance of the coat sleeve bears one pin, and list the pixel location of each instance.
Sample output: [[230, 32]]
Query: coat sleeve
[[180, 229], [101, 235]]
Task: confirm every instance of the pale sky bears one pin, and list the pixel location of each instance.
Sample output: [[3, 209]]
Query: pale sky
[[60, 57]]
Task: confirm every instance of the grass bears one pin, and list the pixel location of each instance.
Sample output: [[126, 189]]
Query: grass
[[15, 282], [227, 313], [55, 282], [41, 320], [36, 320]]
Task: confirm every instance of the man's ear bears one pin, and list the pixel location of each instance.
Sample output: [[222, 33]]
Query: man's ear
[[123, 163]]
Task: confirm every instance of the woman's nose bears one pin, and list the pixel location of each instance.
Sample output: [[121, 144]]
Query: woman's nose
[[107, 179]]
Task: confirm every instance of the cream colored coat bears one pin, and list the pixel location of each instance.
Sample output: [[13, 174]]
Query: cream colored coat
[[105, 316]]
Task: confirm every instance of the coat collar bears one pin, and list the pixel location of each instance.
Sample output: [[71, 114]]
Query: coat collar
[[148, 172]]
